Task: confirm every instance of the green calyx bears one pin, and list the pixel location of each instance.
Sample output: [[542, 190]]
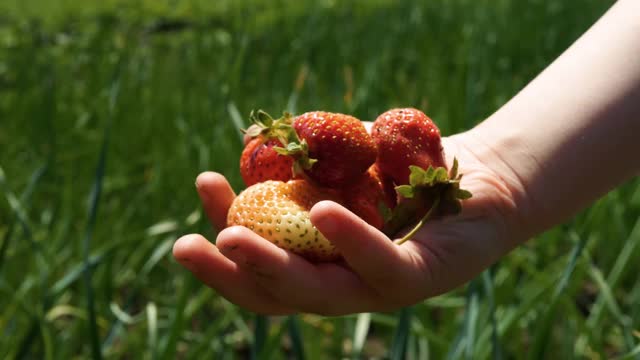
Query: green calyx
[[269, 127], [436, 181], [282, 129], [299, 150], [434, 188]]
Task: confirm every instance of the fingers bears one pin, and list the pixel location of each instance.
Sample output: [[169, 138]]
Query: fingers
[[326, 289], [234, 283], [386, 267], [216, 195]]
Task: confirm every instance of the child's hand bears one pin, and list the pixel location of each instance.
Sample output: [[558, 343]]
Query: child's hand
[[566, 139], [376, 274]]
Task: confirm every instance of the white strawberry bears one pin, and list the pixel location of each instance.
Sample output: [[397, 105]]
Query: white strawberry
[[279, 212]]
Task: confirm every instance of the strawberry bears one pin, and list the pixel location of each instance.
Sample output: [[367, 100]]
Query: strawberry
[[370, 198], [406, 137], [261, 159], [339, 146], [411, 153], [279, 212], [390, 194], [260, 162]]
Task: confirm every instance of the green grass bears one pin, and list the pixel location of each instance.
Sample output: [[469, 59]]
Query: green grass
[[85, 275]]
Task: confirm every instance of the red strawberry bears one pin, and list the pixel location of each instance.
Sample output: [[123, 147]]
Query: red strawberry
[[260, 162], [339, 144], [390, 194], [369, 198], [411, 153], [406, 137], [260, 159], [279, 212]]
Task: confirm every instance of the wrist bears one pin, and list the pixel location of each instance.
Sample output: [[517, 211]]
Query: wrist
[[489, 161], [510, 156]]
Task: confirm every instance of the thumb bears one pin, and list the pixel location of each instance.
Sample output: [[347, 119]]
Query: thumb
[[369, 252]]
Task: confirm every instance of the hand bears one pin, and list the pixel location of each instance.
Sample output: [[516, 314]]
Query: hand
[[376, 274]]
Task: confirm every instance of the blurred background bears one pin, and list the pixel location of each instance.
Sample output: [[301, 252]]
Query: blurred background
[[110, 109]]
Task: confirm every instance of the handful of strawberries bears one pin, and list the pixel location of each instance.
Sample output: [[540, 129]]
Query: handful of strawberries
[[392, 178]]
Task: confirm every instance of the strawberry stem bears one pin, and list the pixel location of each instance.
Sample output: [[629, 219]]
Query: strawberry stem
[[420, 223]]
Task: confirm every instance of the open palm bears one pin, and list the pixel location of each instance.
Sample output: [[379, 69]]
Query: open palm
[[376, 274]]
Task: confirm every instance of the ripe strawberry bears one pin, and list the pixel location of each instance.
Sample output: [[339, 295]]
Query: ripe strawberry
[[279, 212], [260, 162], [339, 145], [260, 159], [406, 137], [390, 194], [370, 198]]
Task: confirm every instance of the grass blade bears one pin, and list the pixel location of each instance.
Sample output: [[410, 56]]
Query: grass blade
[[273, 343], [36, 176], [292, 103], [360, 334], [606, 292], [487, 280], [86, 245], [25, 344], [6, 239], [94, 201], [236, 118], [621, 264], [259, 336], [541, 340], [471, 319], [607, 295], [178, 322], [152, 329], [401, 335], [75, 272], [20, 213], [296, 337]]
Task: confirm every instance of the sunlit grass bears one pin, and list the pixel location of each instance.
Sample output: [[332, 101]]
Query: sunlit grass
[[165, 80]]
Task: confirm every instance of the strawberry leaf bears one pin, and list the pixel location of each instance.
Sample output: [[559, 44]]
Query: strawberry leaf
[[431, 186], [261, 118], [264, 124], [294, 148], [384, 211], [417, 175], [429, 178], [406, 191], [283, 130], [463, 194], [253, 131], [454, 169], [306, 163], [440, 176]]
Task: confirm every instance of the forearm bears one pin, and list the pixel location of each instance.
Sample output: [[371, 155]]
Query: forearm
[[573, 133]]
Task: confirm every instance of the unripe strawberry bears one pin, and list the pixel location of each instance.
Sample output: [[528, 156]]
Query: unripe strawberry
[[279, 212]]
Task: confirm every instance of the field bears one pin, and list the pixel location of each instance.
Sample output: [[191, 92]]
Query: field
[[109, 110]]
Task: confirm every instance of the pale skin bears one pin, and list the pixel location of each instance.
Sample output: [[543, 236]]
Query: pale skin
[[566, 139]]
